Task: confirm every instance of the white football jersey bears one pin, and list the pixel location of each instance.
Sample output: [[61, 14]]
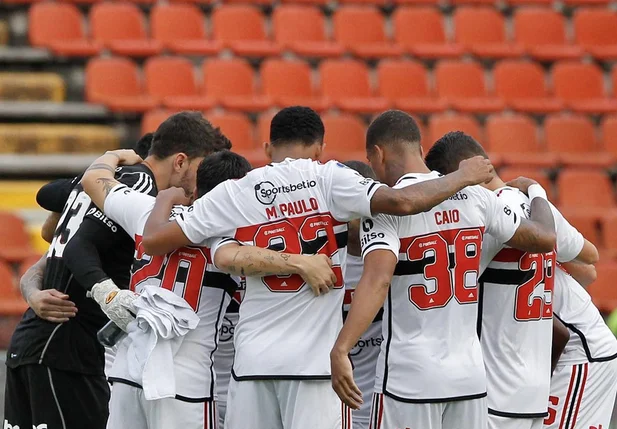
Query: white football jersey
[[516, 318], [431, 351], [590, 339], [296, 206], [365, 352], [189, 273]]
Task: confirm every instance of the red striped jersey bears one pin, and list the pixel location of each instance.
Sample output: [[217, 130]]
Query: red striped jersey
[[515, 323], [295, 206], [189, 273], [431, 351]]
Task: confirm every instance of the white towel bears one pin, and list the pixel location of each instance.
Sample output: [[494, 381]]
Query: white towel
[[163, 318]]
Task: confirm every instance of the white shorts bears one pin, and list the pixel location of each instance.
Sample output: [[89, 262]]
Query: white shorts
[[498, 422], [128, 409], [582, 396], [285, 404], [388, 413]]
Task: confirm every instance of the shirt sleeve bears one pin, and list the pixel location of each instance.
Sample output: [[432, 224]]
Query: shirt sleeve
[[348, 193], [379, 233], [206, 219], [128, 208], [570, 242], [500, 220], [53, 196], [214, 244]]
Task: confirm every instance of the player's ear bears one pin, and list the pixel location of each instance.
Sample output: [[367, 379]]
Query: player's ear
[[268, 149], [181, 162]]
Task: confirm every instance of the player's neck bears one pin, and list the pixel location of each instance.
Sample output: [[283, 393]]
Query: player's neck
[[405, 165], [160, 173], [294, 151], [495, 184]]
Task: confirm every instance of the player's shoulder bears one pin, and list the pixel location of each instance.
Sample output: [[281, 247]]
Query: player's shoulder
[[179, 211], [138, 177], [511, 194]]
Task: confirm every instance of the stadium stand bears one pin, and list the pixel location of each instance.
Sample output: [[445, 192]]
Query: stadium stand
[[83, 76]]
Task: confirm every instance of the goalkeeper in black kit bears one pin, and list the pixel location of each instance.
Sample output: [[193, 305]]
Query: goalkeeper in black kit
[[55, 374]]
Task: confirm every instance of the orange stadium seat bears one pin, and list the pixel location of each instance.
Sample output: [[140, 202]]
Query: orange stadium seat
[[116, 83], [346, 83], [444, 123], [420, 31], [609, 231], [595, 31], [232, 83], [609, 134], [521, 84], [17, 246], [361, 30], [263, 126], [462, 84], [237, 128], [550, 44], [121, 28], [510, 173], [242, 28], [406, 83], [12, 303], [586, 223], [515, 139], [59, 27], [582, 87], [345, 137], [306, 2], [288, 83], [152, 119], [603, 290], [302, 30], [171, 81], [573, 139], [574, 187], [482, 31], [181, 29]]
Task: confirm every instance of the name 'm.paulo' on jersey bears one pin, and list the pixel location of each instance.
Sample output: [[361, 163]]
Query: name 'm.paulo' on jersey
[[516, 314], [188, 272], [429, 321], [38, 341], [295, 206]]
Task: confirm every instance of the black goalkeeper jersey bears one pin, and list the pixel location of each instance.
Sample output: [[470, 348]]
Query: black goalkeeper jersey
[[87, 248]]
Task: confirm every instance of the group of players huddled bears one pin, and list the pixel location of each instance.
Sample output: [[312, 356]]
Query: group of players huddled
[[421, 293]]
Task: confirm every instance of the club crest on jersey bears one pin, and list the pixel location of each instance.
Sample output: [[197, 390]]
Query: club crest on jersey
[[266, 191]]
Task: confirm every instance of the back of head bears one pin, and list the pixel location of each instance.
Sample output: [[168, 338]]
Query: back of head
[[296, 125], [448, 152], [185, 132], [361, 167], [219, 167], [393, 127], [142, 148]]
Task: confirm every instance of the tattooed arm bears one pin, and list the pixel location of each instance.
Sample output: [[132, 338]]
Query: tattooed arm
[[99, 179], [251, 261], [369, 297]]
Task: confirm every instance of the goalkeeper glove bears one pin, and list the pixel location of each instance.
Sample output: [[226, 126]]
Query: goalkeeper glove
[[116, 303]]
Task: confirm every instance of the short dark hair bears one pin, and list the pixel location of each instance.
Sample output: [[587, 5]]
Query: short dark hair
[[448, 152], [185, 132], [393, 126], [218, 167], [142, 147], [361, 167], [296, 124], [223, 141]]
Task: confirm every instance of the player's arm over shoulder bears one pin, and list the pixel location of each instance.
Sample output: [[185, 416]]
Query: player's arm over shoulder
[[536, 234], [571, 245]]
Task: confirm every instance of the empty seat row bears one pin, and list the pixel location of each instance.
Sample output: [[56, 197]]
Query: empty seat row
[[346, 84], [513, 140], [419, 31], [330, 3]]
